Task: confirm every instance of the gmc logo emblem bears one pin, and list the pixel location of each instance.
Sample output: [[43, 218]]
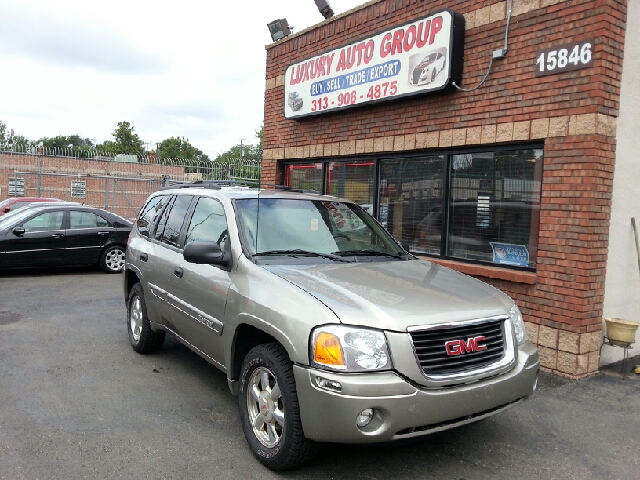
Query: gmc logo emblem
[[458, 347]]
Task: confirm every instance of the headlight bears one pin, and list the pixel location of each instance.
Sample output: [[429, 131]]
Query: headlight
[[518, 324], [349, 349]]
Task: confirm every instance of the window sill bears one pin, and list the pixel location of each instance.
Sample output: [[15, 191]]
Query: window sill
[[486, 271]]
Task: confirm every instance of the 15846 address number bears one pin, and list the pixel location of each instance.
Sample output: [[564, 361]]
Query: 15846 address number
[[564, 58]]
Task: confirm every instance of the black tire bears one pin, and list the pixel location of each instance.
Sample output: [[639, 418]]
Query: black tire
[[141, 337], [290, 448], [434, 74], [112, 259]]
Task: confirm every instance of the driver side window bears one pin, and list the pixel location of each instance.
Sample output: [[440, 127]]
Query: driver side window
[[45, 222], [208, 222]]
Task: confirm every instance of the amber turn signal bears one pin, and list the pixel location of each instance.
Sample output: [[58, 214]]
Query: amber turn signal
[[327, 350]]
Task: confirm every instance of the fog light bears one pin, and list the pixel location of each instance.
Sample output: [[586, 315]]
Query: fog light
[[328, 384], [364, 418]]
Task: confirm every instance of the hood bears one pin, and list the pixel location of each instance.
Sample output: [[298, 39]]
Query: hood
[[396, 295]]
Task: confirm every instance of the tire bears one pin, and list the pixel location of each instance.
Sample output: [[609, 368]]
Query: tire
[[141, 337], [112, 259], [434, 74], [266, 382]]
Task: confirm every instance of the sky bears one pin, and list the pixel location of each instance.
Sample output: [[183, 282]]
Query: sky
[[193, 69]]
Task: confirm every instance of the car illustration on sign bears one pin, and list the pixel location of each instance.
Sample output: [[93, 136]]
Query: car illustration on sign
[[295, 101], [428, 68]]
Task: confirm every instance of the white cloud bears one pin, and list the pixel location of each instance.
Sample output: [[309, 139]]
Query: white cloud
[[194, 69]]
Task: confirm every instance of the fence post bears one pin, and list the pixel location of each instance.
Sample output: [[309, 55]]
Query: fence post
[[106, 193]]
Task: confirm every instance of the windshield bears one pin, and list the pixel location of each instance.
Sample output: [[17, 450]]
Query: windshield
[[294, 226]]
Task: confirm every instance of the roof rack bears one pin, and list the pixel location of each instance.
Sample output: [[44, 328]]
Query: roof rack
[[218, 184], [290, 189], [212, 184]]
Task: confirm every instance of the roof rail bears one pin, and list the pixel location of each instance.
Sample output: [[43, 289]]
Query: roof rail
[[289, 189], [218, 184], [212, 184]]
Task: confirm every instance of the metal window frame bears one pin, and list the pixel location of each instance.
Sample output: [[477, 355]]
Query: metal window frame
[[448, 153]]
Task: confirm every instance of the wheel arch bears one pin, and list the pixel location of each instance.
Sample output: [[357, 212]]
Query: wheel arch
[[247, 335], [130, 279]]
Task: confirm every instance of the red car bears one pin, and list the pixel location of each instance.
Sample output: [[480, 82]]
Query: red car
[[18, 202]]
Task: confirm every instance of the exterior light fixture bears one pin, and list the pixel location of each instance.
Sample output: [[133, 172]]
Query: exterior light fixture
[[324, 8], [279, 29]]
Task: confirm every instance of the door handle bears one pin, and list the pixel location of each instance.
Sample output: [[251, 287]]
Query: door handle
[[57, 235], [178, 272], [104, 233], [144, 257]]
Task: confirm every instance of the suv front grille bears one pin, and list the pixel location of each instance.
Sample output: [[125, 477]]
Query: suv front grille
[[431, 350]]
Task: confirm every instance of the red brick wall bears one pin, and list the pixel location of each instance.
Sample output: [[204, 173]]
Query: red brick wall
[[128, 187], [573, 113]]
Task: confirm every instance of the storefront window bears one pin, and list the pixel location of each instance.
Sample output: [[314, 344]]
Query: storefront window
[[306, 177], [352, 180], [494, 207], [411, 199], [476, 206]]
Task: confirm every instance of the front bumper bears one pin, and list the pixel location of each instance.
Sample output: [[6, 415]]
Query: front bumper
[[403, 410]]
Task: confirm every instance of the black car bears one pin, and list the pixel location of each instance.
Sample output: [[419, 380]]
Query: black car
[[65, 235]]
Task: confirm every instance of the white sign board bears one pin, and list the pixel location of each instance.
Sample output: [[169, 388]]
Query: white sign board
[[417, 57]]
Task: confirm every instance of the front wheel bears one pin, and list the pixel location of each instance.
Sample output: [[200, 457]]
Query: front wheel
[[269, 409], [112, 259]]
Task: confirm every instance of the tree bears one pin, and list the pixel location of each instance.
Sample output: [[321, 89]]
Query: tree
[[177, 148], [9, 140], [243, 150], [126, 142]]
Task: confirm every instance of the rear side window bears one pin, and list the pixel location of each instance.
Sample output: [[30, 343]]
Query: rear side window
[[171, 232], [150, 214]]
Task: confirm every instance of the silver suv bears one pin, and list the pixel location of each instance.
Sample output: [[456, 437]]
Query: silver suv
[[327, 329]]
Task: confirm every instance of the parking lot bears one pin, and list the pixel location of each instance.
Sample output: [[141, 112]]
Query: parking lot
[[77, 402]]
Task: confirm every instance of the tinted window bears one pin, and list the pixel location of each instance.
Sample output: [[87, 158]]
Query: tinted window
[[86, 220], [171, 231], [18, 205], [44, 222], [150, 214], [208, 222]]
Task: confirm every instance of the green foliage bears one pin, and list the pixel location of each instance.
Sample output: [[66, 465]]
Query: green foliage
[[65, 141], [126, 141], [177, 148], [8, 139]]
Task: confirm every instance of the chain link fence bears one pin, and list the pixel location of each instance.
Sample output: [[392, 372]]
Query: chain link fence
[[118, 183]]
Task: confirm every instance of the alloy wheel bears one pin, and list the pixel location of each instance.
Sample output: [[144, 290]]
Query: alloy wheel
[[265, 407]]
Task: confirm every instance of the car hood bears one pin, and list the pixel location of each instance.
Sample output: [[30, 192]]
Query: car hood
[[396, 295]]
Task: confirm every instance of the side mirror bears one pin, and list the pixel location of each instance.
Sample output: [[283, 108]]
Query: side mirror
[[6, 209], [19, 231], [206, 253]]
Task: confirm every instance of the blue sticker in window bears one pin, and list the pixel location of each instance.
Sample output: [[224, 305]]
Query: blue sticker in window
[[508, 254]]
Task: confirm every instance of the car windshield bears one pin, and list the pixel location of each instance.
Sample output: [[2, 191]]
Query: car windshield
[[283, 226]]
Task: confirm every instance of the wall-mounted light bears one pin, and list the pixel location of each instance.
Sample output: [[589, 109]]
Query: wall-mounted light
[[279, 29], [324, 8]]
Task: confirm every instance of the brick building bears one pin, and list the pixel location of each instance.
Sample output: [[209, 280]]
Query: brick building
[[512, 182]]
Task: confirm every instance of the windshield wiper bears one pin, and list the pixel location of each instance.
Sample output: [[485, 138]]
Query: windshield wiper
[[367, 251], [302, 252]]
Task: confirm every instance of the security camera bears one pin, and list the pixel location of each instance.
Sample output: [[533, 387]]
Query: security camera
[[324, 8]]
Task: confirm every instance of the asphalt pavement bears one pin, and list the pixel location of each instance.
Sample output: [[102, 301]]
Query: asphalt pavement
[[77, 402]]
